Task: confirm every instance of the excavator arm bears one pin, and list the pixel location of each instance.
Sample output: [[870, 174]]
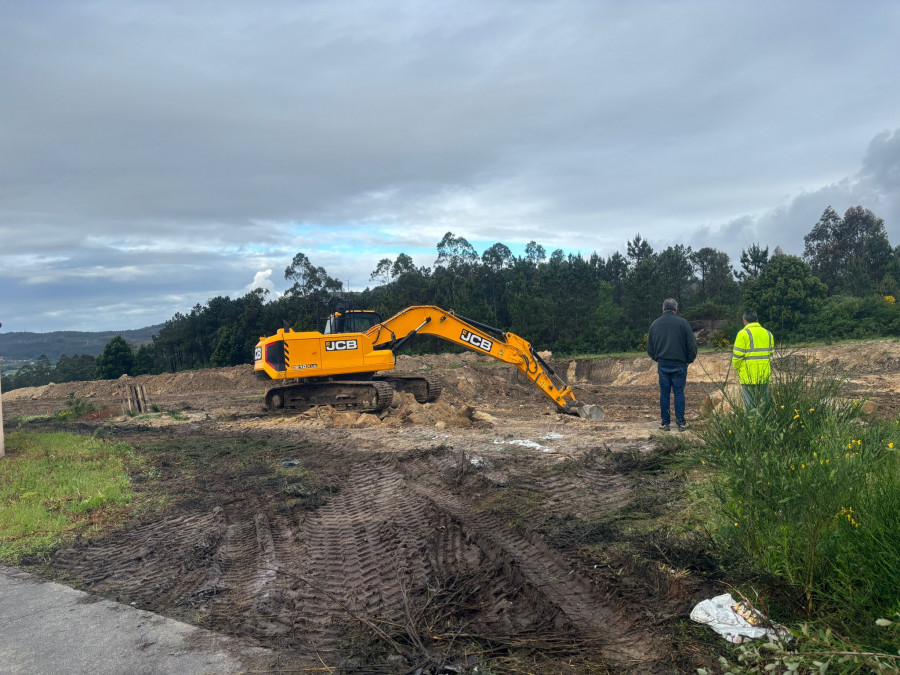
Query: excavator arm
[[393, 333]]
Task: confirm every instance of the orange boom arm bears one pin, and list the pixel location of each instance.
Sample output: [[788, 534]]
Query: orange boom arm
[[508, 347]]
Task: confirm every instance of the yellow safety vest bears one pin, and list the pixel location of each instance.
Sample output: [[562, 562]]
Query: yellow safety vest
[[753, 347]]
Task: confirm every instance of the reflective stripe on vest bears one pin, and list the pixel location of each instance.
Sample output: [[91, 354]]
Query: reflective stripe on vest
[[754, 353]]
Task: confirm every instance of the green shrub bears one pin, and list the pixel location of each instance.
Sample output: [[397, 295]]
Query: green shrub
[[75, 407], [809, 496]]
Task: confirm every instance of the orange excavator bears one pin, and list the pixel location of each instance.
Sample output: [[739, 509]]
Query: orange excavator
[[348, 366]]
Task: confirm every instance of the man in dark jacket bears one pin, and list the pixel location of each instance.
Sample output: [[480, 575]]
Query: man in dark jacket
[[671, 343]]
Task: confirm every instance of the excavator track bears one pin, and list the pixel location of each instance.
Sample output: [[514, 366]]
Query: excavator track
[[358, 396], [426, 389]]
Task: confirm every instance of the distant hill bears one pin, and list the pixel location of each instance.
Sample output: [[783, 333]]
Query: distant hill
[[29, 346]]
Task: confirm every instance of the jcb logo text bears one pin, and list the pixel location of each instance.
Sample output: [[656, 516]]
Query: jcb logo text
[[476, 341], [340, 345]]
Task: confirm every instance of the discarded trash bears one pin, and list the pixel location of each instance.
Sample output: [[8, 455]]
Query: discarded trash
[[525, 444], [291, 462], [737, 621]]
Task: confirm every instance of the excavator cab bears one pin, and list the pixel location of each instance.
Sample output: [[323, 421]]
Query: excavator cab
[[351, 321]]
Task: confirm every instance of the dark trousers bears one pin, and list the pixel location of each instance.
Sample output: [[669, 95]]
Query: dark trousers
[[672, 378], [754, 394]]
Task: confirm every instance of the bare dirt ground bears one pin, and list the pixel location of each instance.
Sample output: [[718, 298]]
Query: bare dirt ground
[[483, 530]]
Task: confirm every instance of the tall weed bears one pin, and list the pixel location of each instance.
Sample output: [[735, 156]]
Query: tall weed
[[809, 494]]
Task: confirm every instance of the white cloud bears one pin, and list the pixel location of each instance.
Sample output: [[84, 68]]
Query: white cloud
[[262, 279]]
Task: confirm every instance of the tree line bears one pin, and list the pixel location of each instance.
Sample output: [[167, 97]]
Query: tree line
[[843, 286]]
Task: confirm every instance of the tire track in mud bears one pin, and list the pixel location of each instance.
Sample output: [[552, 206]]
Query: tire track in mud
[[368, 549], [159, 563], [387, 545], [595, 614], [586, 492]]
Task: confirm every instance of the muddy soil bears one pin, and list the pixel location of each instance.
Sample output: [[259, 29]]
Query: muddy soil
[[484, 529]]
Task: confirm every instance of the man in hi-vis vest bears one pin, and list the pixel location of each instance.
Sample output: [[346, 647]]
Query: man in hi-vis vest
[[753, 348]]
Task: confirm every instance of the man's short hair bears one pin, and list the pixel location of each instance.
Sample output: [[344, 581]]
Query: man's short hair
[[670, 305], [750, 316]]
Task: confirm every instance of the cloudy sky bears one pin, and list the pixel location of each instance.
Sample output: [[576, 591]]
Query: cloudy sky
[[156, 154]]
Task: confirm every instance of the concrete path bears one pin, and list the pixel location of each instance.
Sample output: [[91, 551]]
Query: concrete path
[[48, 628]]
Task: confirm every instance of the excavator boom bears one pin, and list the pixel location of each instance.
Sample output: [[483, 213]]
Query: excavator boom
[[508, 347], [339, 368]]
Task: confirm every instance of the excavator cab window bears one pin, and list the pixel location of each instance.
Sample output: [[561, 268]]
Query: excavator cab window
[[275, 355], [351, 321]]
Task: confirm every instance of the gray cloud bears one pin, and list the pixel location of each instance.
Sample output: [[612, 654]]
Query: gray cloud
[[166, 152]]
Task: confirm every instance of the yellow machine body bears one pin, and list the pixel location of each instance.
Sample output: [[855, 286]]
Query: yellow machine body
[[289, 355], [336, 357]]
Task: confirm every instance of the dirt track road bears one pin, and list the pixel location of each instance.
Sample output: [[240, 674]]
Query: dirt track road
[[483, 528]]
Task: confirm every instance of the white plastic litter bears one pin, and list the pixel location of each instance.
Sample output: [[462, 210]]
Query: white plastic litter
[[737, 621], [525, 444]]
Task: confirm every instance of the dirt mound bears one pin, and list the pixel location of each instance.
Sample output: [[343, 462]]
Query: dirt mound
[[405, 411], [471, 380], [191, 381]]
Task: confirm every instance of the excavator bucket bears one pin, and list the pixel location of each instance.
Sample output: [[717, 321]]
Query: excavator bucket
[[591, 412]]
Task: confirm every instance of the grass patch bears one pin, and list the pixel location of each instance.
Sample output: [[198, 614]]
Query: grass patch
[[53, 486], [807, 498]]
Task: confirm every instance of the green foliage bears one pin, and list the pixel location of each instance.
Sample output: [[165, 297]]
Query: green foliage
[[850, 254], [188, 340], [33, 374], [717, 283], [816, 650], [55, 485], [69, 369], [26, 346], [147, 361], [753, 261], [809, 496], [642, 297], [785, 294], [79, 368], [116, 360], [226, 349], [75, 407], [676, 270], [847, 316]]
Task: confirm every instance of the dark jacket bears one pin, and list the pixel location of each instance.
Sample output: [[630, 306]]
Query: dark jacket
[[671, 339]]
